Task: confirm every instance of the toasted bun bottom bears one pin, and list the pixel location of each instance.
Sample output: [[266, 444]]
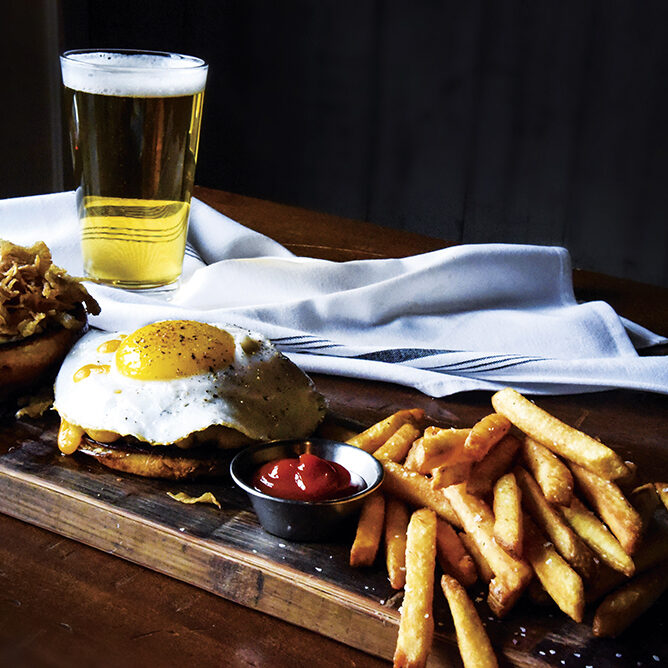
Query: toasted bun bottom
[[158, 461], [27, 363]]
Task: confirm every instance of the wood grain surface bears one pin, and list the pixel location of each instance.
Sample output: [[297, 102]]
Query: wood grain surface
[[64, 604]]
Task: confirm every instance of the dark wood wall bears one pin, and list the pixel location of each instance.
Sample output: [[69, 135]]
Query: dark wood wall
[[470, 120], [31, 138]]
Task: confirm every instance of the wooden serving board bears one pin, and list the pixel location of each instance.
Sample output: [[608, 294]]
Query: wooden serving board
[[226, 552]]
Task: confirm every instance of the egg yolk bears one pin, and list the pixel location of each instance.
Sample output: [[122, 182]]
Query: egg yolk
[[110, 346], [174, 349], [89, 369], [69, 437]]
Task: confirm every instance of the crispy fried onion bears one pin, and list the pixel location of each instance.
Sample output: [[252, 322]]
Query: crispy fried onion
[[35, 294]]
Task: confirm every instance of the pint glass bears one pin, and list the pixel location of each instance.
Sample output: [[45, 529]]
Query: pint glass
[[134, 123]]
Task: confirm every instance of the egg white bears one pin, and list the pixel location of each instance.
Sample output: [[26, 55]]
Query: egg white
[[260, 394]]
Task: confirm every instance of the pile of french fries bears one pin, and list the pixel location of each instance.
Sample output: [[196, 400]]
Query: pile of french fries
[[522, 501]]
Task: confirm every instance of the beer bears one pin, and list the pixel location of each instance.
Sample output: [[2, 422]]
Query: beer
[[134, 122]]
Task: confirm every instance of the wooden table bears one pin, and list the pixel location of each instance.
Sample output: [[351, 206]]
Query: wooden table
[[65, 604]]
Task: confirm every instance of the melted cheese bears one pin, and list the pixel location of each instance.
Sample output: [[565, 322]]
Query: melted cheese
[[110, 346], [88, 369], [69, 437], [103, 436]]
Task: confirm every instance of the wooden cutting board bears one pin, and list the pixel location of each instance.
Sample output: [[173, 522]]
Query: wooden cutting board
[[226, 552]]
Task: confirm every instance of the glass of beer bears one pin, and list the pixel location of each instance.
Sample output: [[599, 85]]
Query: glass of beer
[[134, 124]]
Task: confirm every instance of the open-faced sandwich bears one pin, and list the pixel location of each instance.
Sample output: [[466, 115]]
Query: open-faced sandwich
[[163, 400], [42, 313]]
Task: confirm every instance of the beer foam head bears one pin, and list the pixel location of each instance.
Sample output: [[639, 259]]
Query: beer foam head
[[133, 74]]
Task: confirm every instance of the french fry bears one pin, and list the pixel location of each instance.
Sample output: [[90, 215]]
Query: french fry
[[551, 474], [397, 446], [409, 462], [373, 437], [485, 434], [474, 645], [397, 516], [416, 626], [439, 447], [662, 491], [566, 542], [597, 536], [511, 575], [450, 477], [645, 500], [452, 556], [621, 608], [557, 436], [416, 490], [508, 514], [482, 566], [497, 461], [626, 482], [559, 580], [369, 531], [652, 551], [450, 474], [612, 507]]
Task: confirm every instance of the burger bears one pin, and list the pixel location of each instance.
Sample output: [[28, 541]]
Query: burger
[[43, 311], [167, 399]]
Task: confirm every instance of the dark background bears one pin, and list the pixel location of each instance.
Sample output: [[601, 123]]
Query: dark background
[[467, 120]]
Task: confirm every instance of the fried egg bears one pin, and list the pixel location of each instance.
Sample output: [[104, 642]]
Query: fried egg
[[169, 380]]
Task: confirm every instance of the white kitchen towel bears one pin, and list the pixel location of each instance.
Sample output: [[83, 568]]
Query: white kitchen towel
[[463, 318]]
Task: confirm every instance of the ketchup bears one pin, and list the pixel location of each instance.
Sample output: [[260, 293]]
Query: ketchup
[[308, 478]]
